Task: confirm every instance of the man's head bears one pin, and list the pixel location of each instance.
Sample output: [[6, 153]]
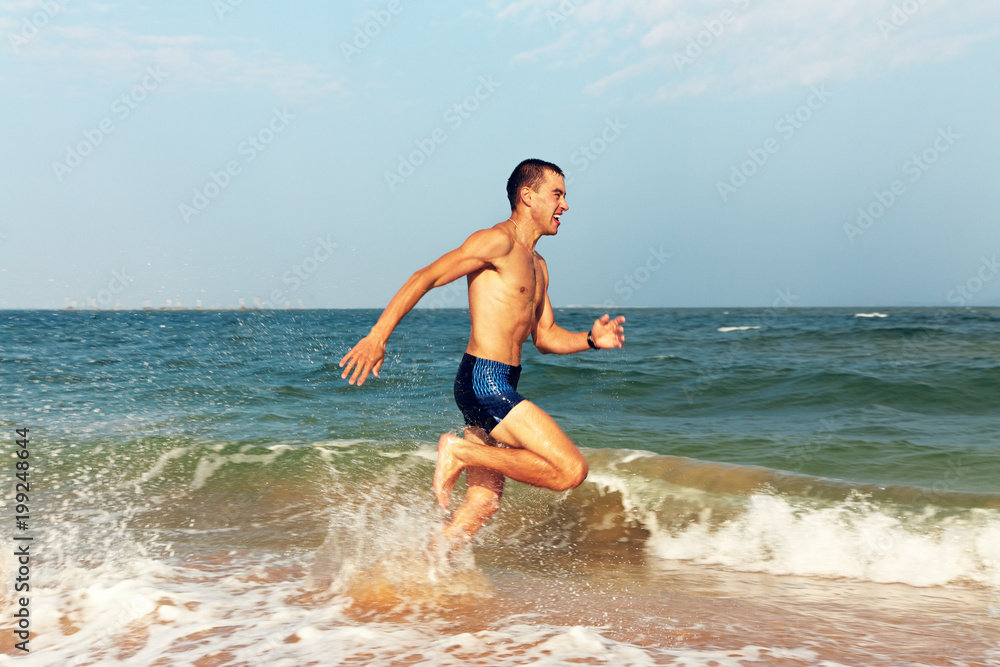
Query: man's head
[[531, 174]]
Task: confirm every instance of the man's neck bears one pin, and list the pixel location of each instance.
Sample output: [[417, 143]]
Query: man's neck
[[526, 230]]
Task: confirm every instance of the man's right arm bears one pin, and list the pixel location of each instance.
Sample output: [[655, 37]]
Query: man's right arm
[[478, 251]]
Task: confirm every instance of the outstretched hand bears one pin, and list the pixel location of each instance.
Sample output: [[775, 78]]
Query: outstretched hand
[[608, 333], [364, 358]]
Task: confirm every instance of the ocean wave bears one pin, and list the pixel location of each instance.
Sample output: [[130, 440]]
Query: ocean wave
[[855, 540], [748, 518], [754, 519], [234, 554]]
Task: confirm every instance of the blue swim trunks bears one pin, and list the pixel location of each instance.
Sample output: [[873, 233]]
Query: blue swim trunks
[[485, 391]]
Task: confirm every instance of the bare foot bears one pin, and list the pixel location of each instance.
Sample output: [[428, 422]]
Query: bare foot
[[447, 541], [447, 470]]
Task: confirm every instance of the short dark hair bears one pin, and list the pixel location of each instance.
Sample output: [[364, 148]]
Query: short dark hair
[[529, 173]]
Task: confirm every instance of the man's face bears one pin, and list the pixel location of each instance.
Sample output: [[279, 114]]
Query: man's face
[[549, 202]]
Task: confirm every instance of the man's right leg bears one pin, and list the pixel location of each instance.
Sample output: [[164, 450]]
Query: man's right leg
[[544, 455], [482, 500]]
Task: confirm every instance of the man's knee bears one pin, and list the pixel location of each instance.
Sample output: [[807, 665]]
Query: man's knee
[[572, 475]]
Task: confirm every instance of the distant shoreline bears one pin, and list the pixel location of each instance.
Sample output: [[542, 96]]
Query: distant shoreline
[[238, 309]]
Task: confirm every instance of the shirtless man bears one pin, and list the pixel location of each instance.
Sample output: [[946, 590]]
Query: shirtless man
[[506, 435]]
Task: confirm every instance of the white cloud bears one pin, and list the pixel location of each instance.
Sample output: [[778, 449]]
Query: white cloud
[[109, 53], [689, 47], [598, 87], [546, 50], [19, 6]]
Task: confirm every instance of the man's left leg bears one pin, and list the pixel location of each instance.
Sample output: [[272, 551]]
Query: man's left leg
[[542, 454]]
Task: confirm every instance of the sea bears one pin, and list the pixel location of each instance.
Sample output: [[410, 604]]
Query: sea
[[788, 486]]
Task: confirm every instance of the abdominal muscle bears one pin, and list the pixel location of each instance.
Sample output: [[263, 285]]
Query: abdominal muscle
[[502, 317]]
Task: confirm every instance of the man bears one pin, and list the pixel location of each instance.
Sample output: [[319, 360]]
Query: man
[[506, 435]]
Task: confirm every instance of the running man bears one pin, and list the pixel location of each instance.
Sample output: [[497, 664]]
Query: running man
[[505, 435]]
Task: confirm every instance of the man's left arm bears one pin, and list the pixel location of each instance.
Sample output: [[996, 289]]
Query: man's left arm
[[550, 338]]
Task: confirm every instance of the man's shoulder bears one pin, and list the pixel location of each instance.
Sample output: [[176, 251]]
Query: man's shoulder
[[492, 241]]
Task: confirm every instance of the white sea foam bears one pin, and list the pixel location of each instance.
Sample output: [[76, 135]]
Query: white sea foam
[[209, 464], [743, 328], [148, 613], [777, 534], [117, 604], [161, 464], [852, 539], [870, 315], [342, 443]]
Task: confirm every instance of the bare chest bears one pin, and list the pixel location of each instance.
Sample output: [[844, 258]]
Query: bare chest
[[524, 278], [517, 282]]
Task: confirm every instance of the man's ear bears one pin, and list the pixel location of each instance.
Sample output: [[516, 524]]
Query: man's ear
[[526, 193]]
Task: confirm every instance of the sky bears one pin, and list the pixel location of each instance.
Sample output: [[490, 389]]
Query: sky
[[723, 153]]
